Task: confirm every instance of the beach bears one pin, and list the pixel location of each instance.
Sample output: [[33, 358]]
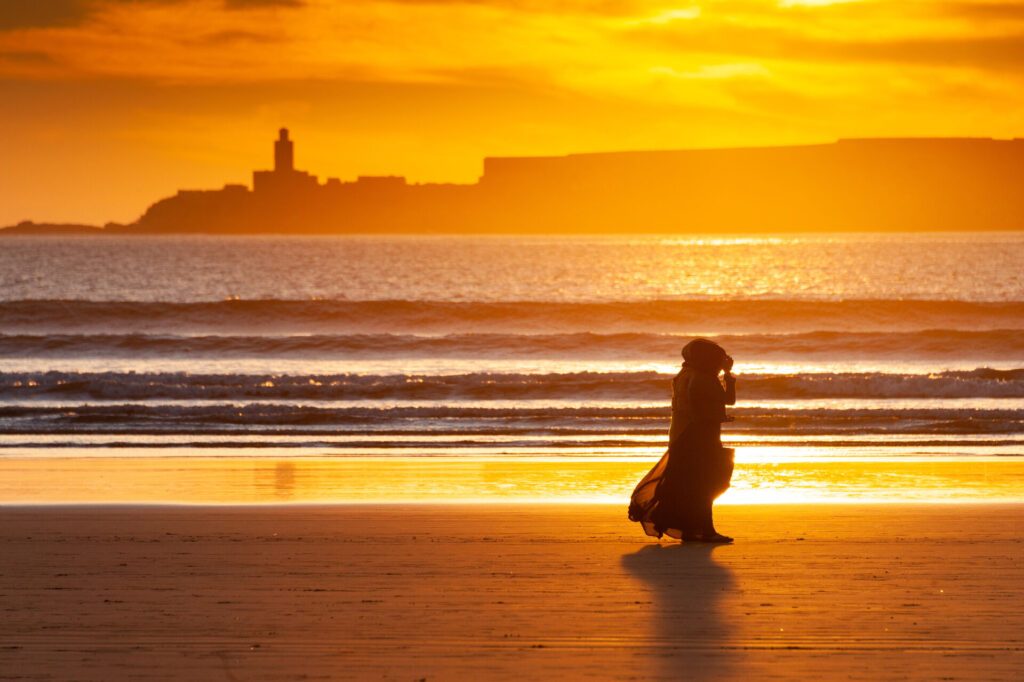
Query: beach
[[508, 591], [409, 458]]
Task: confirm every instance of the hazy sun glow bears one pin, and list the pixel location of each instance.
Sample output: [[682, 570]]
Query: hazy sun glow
[[133, 100]]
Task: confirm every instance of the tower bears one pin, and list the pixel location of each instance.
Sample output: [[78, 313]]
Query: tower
[[284, 180], [284, 153]]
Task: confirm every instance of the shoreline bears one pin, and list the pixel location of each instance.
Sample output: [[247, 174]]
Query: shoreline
[[550, 504]]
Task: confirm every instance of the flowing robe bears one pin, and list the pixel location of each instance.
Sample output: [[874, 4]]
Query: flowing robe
[[676, 496]]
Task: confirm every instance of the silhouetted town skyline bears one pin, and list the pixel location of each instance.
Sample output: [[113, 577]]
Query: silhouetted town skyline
[[849, 185]]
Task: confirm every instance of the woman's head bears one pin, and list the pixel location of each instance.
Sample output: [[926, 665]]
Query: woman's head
[[704, 355]]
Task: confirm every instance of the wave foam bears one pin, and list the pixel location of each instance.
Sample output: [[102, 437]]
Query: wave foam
[[925, 344], [983, 382], [421, 317]]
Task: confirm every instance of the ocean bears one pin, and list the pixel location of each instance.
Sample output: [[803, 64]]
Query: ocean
[[378, 368]]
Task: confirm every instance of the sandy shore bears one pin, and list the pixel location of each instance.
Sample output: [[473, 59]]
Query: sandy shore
[[508, 592]]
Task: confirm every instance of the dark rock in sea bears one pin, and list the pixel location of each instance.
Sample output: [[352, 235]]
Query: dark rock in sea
[[27, 227]]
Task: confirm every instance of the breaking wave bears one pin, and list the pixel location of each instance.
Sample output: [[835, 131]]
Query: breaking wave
[[312, 419], [439, 317], [983, 382], [925, 344]]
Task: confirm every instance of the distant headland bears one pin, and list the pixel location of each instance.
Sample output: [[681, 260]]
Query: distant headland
[[850, 185]]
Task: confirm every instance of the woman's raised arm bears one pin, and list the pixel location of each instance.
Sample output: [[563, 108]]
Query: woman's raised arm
[[730, 389]]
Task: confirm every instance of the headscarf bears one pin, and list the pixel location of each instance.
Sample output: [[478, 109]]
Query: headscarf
[[703, 355]]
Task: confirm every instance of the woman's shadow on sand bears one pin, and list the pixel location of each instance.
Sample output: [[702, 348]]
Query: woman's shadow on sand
[[691, 637]]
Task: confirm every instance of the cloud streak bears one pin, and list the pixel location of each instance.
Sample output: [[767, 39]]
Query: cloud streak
[[985, 52], [252, 4], [34, 14], [28, 14]]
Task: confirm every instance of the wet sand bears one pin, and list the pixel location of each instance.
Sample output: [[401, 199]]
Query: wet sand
[[153, 477], [509, 592]]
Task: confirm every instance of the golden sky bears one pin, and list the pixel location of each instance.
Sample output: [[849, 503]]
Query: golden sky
[[108, 105]]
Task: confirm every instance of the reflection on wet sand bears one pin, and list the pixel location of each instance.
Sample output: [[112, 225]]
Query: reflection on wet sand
[[240, 479], [284, 479], [275, 481], [690, 635]]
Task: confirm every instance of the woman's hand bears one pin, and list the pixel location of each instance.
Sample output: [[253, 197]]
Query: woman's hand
[[730, 381]]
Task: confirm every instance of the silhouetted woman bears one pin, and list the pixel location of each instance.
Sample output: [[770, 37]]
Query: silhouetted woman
[[676, 497]]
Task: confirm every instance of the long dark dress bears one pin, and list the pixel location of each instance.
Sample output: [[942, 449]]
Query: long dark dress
[[676, 496]]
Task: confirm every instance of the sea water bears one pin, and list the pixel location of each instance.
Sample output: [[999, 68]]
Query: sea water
[[870, 366]]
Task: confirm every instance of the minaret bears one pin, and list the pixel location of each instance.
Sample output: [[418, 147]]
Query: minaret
[[284, 153]]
